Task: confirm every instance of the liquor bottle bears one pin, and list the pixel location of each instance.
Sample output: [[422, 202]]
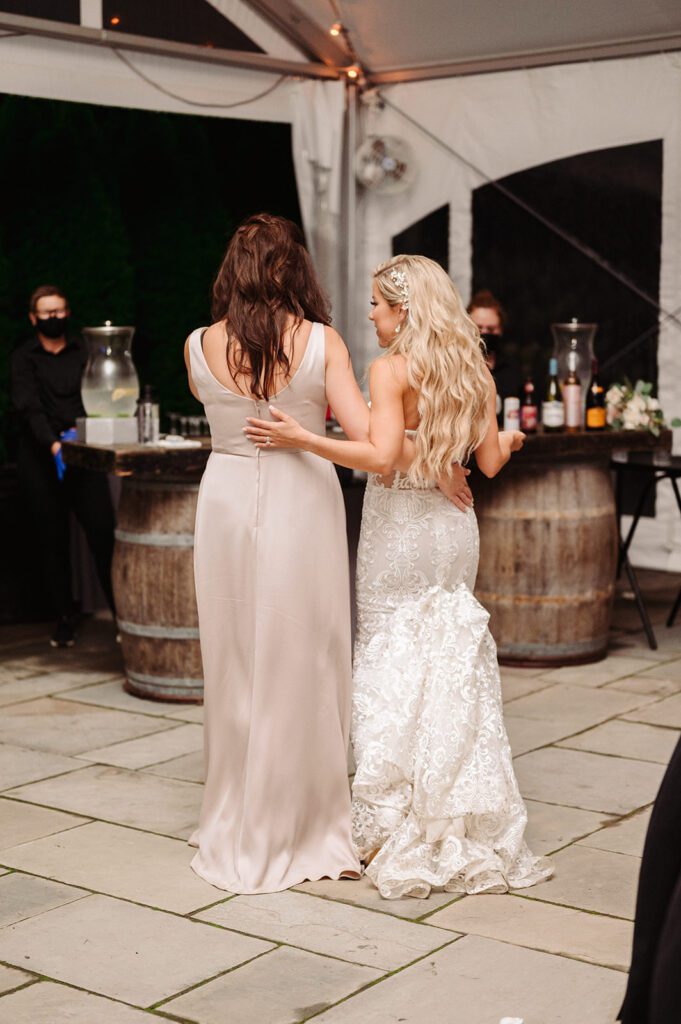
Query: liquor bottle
[[572, 392], [552, 410], [511, 413], [595, 401], [528, 410]]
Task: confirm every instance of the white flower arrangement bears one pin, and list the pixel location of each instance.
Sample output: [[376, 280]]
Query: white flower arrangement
[[633, 407]]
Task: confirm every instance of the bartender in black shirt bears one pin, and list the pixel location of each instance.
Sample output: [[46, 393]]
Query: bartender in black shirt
[[46, 375], [489, 316]]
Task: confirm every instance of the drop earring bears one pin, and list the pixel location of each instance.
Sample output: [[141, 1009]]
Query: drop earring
[[398, 328]]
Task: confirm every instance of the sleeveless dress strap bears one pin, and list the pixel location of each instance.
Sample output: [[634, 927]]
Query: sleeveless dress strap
[[315, 360]]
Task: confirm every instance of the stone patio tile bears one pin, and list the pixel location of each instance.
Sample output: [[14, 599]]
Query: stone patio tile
[[122, 862], [22, 897], [627, 739], [282, 987], [629, 645], [320, 926], [22, 823], [626, 836], [594, 880], [599, 672], [668, 670], [480, 981], [43, 659], [47, 1003], [573, 933], [575, 707], [665, 712], [112, 695], [64, 727], [127, 798], [594, 782], [11, 978], [519, 672], [147, 750], [13, 691], [188, 713], [525, 734], [667, 639], [124, 951], [19, 765], [645, 685], [364, 894], [190, 767], [514, 686], [550, 826]]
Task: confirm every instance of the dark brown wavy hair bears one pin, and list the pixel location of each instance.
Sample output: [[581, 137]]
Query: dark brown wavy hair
[[266, 277]]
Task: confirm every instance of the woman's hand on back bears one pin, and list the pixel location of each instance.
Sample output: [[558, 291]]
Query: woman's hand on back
[[455, 487], [283, 432]]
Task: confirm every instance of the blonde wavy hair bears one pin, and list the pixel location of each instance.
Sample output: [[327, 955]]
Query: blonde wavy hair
[[445, 363]]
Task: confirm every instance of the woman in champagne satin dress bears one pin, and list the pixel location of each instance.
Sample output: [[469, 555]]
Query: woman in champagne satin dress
[[271, 572]]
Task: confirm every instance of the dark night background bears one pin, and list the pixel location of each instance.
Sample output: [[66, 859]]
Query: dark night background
[[129, 212]]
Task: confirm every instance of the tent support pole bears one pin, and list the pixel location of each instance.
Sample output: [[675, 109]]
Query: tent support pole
[[348, 269]]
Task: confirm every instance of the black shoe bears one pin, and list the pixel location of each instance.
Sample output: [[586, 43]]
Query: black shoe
[[64, 633]]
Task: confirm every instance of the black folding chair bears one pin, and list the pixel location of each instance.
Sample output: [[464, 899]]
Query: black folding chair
[[661, 466]]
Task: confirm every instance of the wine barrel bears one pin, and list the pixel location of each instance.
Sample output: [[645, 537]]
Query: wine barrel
[[548, 551], [153, 578]]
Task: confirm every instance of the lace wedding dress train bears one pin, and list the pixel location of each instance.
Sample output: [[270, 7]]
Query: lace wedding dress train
[[434, 791]]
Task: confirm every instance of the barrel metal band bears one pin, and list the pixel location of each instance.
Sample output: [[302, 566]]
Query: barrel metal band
[[159, 632], [182, 685], [156, 540]]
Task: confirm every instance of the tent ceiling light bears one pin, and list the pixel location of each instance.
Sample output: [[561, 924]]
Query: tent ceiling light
[[353, 71], [336, 29]]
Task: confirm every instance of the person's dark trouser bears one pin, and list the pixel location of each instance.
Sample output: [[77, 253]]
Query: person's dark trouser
[[654, 991], [49, 501]]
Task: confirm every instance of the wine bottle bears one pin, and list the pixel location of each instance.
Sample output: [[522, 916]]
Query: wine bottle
[[528, 410], [572, 392], [595, 401], [552, 410]]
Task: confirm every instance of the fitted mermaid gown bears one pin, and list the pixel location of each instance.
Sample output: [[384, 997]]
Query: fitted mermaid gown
[[272, 589], [434, 791]]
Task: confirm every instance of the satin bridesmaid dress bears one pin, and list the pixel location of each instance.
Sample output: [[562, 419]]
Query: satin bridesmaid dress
[[272, 587]]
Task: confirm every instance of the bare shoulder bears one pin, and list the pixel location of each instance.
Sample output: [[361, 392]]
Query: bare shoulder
[[335, 350], [333, 341], [389, 370]]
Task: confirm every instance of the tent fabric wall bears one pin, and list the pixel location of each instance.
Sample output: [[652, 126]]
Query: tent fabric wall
[[507, 122], [56, 69]]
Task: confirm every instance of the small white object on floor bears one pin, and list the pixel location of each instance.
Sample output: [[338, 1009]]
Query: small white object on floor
[[176, 441], [511, 1020]]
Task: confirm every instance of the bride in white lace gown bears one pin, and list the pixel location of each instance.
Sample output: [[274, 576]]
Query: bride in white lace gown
[[435, 798]]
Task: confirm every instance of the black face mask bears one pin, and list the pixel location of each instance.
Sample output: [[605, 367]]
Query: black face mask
[[53, 327], [492, 341]]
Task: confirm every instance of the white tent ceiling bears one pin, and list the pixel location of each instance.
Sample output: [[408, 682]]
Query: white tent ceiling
[[407, 40], [447, 37]]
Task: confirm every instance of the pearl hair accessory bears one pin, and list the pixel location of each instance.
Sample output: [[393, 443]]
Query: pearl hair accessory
[[399, 279]]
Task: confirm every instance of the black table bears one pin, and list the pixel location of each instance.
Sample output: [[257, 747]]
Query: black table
[[661, 465]]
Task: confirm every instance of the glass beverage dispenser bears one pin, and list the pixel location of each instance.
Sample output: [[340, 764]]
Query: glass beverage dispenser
[[110, 386], [583, 335]]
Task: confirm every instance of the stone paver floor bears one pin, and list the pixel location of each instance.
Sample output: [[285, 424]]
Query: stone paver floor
[[103, 922]]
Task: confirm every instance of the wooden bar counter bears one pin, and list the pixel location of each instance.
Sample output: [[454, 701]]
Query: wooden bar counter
[[548, 546], [153, 572], [548, 541]]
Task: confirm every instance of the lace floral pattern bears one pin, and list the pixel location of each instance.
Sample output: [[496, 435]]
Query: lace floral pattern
[[434, 788]]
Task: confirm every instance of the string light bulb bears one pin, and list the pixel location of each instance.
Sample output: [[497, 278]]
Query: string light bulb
[[353, 72], [115, 20], [336, 29]]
